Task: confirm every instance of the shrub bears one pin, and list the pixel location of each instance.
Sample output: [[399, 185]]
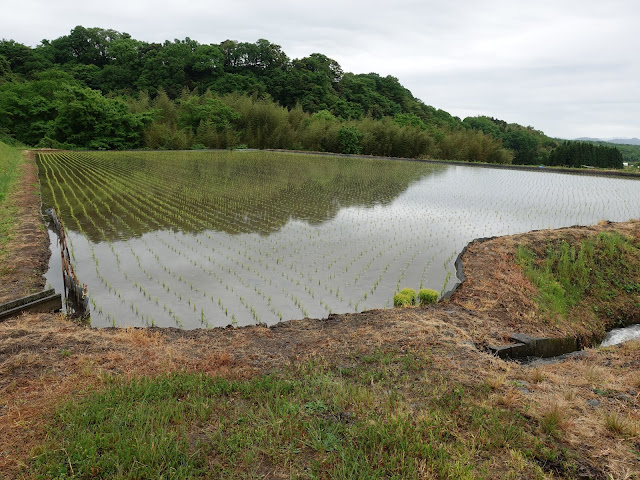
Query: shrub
[[349, 138], [427, 296]]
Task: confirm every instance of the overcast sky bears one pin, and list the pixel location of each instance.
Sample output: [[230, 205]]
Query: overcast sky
[[567, 67]]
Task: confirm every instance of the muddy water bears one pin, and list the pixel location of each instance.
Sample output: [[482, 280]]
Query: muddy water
[[241, 240]]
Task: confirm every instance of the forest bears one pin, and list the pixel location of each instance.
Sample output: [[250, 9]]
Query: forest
[[102, 89]]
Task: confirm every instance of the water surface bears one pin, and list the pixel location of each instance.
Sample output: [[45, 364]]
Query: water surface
[[218, 238]]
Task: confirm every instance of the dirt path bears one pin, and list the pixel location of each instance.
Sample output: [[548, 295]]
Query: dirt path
[[46, 359], [28, 249]]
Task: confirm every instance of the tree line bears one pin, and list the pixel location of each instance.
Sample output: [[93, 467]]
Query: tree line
[[630, 153], [99, 88], [582, 154]]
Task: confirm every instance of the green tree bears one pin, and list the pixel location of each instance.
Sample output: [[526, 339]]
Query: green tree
[[349, 138], [524, 144], [88, 119], [5, 70], [28, 108], [22, 59], [194, 109]]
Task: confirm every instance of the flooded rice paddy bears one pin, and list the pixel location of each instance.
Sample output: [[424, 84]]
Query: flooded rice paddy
[[208, 239]]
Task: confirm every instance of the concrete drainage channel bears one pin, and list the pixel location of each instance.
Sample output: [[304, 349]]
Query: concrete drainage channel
[[526, 347], [46, 301], [535, 351]]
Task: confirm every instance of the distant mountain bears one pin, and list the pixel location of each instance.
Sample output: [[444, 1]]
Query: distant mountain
[[625, 141], [620, 141]]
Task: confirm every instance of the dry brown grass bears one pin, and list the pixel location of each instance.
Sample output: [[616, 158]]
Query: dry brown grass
[[595, 375], [620, 424], [603, 377], [495, 381], [512, 398], [537, 375]]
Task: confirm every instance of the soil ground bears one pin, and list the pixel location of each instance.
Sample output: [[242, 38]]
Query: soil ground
[[29, 245], [46, 359]]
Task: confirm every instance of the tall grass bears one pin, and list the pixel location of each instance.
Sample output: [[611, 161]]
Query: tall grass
[[9, 160]]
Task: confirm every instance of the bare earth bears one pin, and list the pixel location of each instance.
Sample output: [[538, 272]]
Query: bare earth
[[29, 247], [46, 359]]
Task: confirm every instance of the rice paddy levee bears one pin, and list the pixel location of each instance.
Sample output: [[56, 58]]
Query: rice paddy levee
[[24, 245], [402, 392]]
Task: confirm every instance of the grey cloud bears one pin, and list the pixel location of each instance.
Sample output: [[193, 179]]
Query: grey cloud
[[566, 67]]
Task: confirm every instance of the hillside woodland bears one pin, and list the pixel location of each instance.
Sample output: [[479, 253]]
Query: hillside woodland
[[102, 89]]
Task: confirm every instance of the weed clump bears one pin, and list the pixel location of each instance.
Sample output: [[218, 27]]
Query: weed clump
[[620, 425], [405, 298], [408, 296], [552, 420], [427, 296]]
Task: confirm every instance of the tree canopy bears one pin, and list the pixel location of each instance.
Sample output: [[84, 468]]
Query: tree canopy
[[100, 88]]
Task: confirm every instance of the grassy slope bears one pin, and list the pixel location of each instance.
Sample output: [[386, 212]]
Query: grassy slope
[[391, 413], [10, 159], [594, 283]]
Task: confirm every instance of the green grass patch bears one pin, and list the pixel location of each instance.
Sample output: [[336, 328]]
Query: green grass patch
[[9, 160], [381, 416], [602, 269]]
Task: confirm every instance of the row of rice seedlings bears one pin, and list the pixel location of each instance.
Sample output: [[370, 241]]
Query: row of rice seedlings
[[74, 187], [166, 286], [173, 313], [185, 207], [248, 267], [253, 311], [296, 301], [52, 180], [210, 272], [46, 168], [148, 296]]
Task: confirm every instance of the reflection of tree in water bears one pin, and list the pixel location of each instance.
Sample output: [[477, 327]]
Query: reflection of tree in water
[[234, 192]]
